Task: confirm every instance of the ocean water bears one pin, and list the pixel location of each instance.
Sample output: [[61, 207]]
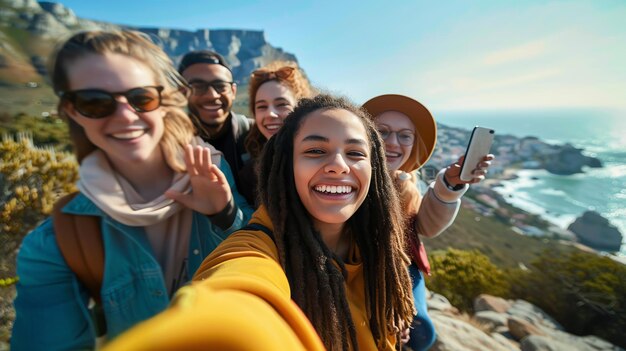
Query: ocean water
[[560, 199]]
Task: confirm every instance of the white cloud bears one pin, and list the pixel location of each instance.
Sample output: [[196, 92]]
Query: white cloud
[[516, 79], [531, 50]]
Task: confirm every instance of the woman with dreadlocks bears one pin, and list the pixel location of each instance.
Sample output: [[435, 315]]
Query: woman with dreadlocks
[[326, 241]]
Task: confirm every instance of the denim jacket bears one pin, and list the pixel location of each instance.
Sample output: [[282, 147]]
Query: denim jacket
[[51, 304]]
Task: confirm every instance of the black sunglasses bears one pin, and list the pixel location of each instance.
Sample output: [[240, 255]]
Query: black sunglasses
[[96, 103], [200, 87]]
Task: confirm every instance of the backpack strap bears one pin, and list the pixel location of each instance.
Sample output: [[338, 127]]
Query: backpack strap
[[243, 125], [260, 227], [80, 240]]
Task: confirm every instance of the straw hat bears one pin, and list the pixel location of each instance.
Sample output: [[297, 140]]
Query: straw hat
[[425, 126]]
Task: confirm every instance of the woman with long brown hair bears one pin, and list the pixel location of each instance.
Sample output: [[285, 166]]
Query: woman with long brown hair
[[274, 91]]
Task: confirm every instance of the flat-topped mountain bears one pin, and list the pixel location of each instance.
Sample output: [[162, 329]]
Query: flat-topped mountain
[[29, 31]]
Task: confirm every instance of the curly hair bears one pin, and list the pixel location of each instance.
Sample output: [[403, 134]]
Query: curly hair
[[296, 82], [317, 283], [179, 129]]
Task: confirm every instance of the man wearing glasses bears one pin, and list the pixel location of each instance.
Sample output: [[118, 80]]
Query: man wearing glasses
[[211, 100]]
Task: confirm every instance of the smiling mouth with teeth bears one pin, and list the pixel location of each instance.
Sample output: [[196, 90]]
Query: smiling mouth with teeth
[[333, 189], [129, 135], [211, 107]]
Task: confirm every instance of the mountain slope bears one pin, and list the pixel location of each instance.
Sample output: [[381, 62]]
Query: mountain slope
[[29, 31]]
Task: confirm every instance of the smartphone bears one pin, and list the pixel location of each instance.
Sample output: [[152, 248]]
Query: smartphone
[[477, 148]]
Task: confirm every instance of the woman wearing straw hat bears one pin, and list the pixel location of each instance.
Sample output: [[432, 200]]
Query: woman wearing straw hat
[[410, 134]]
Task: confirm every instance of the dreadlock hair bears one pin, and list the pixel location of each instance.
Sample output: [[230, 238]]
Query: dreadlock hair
[[317, 284]]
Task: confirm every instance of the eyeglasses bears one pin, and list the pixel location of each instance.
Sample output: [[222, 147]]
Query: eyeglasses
[[200, 87], [96, 103], [404, 136], [282, 73]]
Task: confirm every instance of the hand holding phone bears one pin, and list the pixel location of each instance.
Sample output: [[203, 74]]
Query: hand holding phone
[[477, 148]]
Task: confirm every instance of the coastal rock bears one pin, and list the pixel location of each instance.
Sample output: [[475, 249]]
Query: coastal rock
[[526, 311], [486, 302], [457, 335], [492, 318], [505, 341], [535, 330], [543, 343], [595, 231], [569, 160], [561, 341], [520, 328], [437, 302]]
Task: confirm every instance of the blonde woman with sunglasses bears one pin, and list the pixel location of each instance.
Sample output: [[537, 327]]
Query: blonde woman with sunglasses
[[273, 93], [163, 199]]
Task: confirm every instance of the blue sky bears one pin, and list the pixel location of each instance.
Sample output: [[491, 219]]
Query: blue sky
[[451, 55]]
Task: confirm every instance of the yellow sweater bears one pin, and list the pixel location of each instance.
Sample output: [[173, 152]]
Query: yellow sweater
[[241, 300]]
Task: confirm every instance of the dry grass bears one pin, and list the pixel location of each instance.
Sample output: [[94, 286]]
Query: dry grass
[[496, 240], [32, 101]]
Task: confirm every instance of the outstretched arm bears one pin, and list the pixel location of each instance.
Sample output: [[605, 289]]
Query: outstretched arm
[[442, 201], [239, 300]]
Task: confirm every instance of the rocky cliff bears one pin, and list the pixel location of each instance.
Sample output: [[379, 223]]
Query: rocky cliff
[[595, 231], [29, 30], [504, 325], [569, 160]]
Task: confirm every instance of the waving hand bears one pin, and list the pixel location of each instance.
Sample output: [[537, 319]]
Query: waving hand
[[210, 190]]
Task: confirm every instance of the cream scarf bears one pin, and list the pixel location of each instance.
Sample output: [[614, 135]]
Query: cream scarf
[[167, 224], [102, 185]]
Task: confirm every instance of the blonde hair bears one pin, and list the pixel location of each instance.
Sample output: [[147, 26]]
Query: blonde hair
[[179, 128], [297, 83]]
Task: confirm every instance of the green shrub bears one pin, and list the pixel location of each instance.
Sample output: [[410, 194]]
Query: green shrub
[[462, 275], [585, 292], [49, 130], [31, 179]]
